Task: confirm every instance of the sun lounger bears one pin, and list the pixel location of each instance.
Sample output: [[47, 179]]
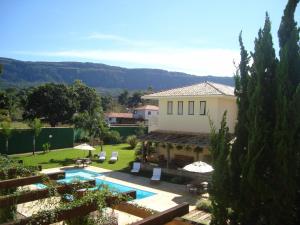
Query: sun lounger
[[114, 157], [136, 167], [102, 156], [156, 174]]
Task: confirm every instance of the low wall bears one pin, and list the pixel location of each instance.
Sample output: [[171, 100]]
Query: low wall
[[198, 177], [126, 131], [21, 140]]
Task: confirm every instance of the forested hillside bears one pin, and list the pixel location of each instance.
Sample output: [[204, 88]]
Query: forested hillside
[[25, 73]]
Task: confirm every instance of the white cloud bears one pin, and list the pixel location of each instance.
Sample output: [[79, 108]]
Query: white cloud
[[120, 39], [195, 61]]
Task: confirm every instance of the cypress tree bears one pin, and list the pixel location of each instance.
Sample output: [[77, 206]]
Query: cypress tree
[[219, 190], [258, 172], [241, 131], [287, 132]]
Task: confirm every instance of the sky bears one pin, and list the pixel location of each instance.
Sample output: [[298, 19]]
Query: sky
[[199, 37]]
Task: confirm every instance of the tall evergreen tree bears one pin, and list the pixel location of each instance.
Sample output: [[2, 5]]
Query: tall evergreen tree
[[220, 147], [258, 173], [241, 130], [287, 129]]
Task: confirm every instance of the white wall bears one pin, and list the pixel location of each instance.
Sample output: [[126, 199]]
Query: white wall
[[196, 123], [111, 120], [144, 114]]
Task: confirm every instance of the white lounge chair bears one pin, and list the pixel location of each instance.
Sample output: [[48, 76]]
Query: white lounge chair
[[136, 167], [156, 174], [102, 156], [114, 157]]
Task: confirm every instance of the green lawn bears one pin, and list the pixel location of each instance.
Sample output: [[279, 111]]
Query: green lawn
[[65, 157]]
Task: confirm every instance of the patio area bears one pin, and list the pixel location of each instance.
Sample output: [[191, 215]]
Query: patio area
[[166, 195]]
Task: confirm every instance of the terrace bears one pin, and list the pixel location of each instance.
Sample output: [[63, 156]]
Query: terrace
[[166, 195]]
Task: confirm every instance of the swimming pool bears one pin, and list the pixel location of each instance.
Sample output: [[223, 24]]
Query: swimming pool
[[83, 175]]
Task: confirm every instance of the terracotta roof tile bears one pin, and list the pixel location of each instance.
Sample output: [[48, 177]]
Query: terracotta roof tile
[[119, 115]]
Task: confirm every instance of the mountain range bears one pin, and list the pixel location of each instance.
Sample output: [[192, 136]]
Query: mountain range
[[18, 73]]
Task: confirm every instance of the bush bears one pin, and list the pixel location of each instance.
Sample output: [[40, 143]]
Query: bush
[[46, 147], [112, 137], [132, 141], [204, 205]]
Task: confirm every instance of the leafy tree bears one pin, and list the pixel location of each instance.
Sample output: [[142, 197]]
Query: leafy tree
[[92, 124], [220, 147], [85, 98], [123, 98], [258, 170], [106, 103], [36, 126], [240, 145], [52, 102], [6, 130], [287, 129], [135, 99]]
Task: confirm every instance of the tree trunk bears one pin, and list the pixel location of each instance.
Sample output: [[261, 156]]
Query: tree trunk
[[6, 145], [101, 146], [33, 152], [168, 157]]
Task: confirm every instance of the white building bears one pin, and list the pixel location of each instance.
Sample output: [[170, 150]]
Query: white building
[[145, 112], [184, 118], [188, 109]]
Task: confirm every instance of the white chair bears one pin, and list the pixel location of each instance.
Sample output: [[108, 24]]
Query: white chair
[[114, 157], [136, 167], [156, 174], [102, 156]]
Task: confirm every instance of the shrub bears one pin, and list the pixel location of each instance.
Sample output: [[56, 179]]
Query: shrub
[[46, 147], [132, 141], [204, 205], [112, 137]]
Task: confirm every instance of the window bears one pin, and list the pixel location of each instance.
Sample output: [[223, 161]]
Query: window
[[180, 108], [149, 112], [202, 107], [191, 107], [170, 107]]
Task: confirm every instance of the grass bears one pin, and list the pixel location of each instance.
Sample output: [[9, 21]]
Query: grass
[[65, 157]]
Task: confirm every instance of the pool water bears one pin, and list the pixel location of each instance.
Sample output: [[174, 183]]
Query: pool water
[[83, 175]]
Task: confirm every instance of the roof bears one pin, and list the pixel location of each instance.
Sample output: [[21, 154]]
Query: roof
[[148, 107], [201, 140], [202, 89], [119, 115]]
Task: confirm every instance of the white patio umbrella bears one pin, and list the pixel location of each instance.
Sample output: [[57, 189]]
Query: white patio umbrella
[[85, 147], [198, 167]]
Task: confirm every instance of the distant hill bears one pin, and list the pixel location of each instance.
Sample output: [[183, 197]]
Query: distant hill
[[100, 76]]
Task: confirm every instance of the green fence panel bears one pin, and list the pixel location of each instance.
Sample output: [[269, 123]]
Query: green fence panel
[[21, 140], [125, 131]]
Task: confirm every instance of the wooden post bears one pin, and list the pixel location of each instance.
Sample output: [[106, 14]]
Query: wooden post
[[17, 182], [9, 200], [165, 216], [168, 157], [65, 214]]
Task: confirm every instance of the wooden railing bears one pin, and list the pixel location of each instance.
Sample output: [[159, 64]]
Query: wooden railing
[[165, 216], [17, 182]]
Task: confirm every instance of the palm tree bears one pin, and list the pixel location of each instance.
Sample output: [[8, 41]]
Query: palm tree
[[36, 126], [6, 131]]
